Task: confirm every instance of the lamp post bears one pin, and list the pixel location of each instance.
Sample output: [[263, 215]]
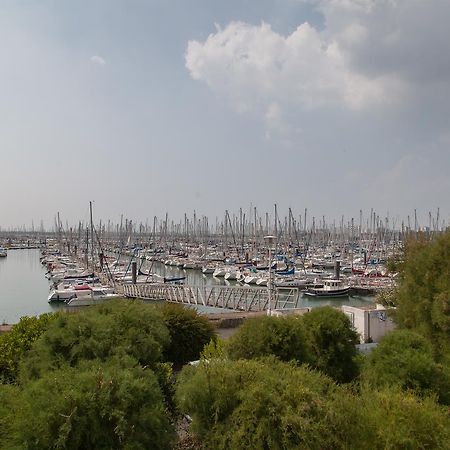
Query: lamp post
[[270, 240]]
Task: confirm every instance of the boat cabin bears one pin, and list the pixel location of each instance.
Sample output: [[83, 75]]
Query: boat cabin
[[332, 284]]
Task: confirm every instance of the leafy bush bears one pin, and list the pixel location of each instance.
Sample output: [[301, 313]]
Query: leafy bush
[[423, 294], [400, 420], [189, 333], [15, 343], [95, 406], [405, 358], [120, 328], [267, 404], [332, 342], [283, 337]]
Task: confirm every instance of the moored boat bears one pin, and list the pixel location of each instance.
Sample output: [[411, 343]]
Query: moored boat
[[330, 288]]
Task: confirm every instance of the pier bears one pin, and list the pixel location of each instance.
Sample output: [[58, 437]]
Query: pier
[[237, 298]]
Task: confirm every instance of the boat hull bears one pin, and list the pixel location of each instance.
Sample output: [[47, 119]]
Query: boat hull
[[345, 292]]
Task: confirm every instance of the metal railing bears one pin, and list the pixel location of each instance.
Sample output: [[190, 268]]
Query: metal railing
[[236, 298]]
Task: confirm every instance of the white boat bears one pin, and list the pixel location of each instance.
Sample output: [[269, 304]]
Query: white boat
[[94, 296], [231, 275], [330, 288], [220, 272], [251, 279], [292, 282], [68, 292], [3, 252]]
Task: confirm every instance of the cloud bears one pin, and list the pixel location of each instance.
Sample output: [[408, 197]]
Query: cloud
[[254, 64], [98, 60], [369, 55]]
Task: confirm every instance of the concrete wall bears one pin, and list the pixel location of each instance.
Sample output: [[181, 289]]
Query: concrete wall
[[371, 324]]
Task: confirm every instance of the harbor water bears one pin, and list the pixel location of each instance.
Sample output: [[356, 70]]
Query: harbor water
[[24, 288]]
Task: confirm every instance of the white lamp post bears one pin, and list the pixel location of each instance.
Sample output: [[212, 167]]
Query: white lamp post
[[270, 240]]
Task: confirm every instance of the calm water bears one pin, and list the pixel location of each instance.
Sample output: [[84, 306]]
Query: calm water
[[23, 286]]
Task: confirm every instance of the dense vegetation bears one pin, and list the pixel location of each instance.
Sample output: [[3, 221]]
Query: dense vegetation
[[98, 379], [422, 297], [104, 378]]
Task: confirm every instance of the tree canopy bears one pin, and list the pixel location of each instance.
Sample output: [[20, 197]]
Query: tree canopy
[[423, 294], [405, 358], [268, 404], [189, 333], [98, 405], [15, 343], [283, 337], [332, 341]]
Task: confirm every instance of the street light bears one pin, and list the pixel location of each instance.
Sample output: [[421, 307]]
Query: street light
[[270, 240]]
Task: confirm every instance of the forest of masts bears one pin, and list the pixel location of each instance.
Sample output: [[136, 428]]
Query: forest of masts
[[238, 229]]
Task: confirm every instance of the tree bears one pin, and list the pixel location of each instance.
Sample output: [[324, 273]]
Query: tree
[[121, 328], [283, 337], [332, 341], [400, 420], [95, 406], [189, 333], [267, 404], [405, 358], [15, 343], [423, 294]]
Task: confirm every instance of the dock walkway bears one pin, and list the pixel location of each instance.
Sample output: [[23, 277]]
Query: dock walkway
[[237, 298]]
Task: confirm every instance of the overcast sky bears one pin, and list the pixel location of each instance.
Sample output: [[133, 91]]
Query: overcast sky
[[148, 106]]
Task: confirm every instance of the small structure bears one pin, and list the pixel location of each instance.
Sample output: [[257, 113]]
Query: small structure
[[371, 322]]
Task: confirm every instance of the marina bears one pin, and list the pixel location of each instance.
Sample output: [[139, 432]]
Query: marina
[[237, 265]]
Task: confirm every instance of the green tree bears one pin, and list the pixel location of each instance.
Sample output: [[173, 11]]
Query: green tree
[[189, 333], [423, 294], [400, 420], [121, 328], [95, 406], [332, 341], [267, 404], [405, 358], [15, 344], [283, 337]]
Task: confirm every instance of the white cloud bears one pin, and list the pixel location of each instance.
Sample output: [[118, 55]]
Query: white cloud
[[98, 60], [254, 64], [369, 55]]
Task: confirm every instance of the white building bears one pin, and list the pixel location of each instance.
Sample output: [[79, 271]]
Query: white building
[[371, 322]]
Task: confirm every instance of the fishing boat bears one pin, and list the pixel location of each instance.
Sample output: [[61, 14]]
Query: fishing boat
[[330, 288]]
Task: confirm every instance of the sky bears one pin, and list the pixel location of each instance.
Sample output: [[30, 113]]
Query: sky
[[153, 106]]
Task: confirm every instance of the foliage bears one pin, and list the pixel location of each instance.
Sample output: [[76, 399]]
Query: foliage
[[15, 343], [332, 341], [405, 358], [189, 333], [423, 295], [266, 404], [95, 406], [402, 421], [283, 337], [215, 349], [120, 328]]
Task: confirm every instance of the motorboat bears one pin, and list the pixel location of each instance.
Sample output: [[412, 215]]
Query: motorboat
[[3, 252], [330, 288], [93, 296]]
